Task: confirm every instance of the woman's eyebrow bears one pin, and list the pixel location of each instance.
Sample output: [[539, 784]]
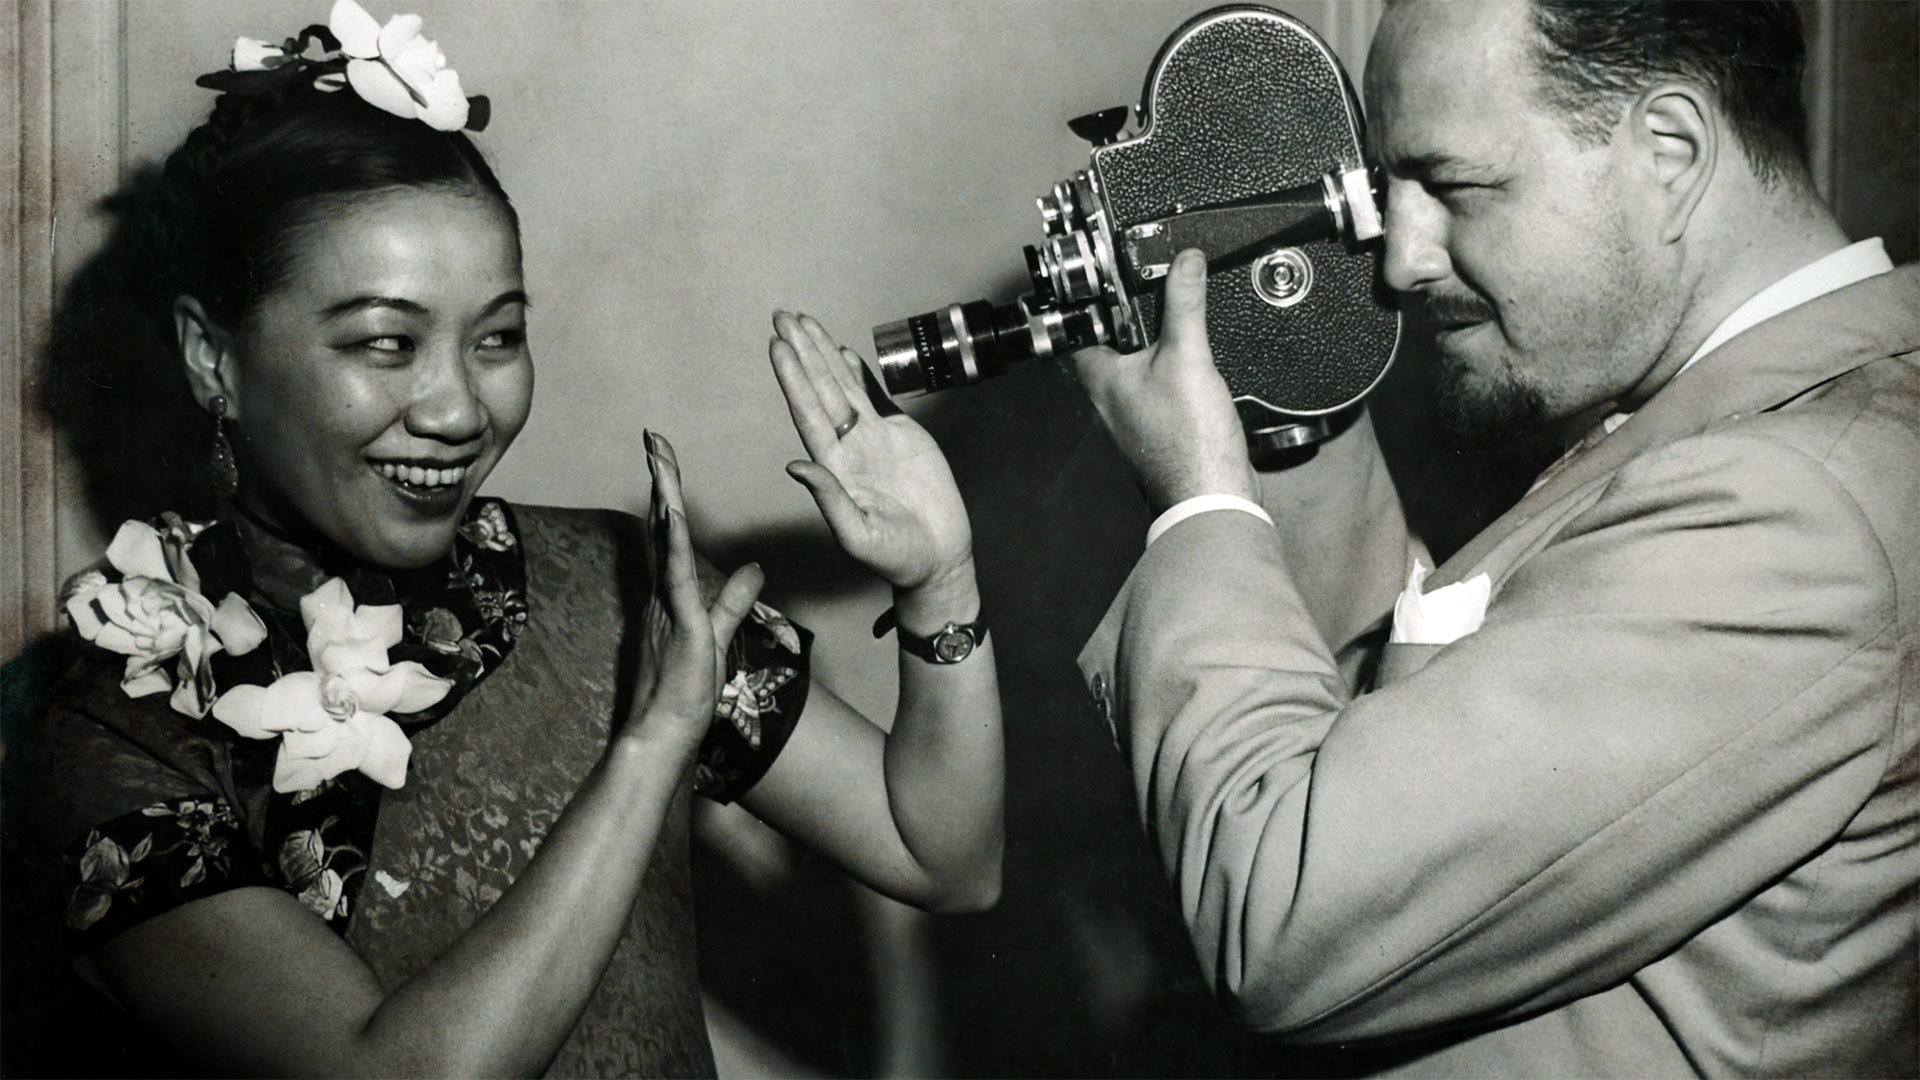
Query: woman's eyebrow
[[511, 296], [361, 303]]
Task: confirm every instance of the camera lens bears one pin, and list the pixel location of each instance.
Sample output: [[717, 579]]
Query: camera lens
[[957, 345]]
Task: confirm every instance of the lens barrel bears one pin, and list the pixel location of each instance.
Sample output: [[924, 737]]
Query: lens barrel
[[957, 345]]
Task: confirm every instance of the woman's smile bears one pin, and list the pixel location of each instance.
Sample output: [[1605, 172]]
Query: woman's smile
[[434, 490], [427, 476]]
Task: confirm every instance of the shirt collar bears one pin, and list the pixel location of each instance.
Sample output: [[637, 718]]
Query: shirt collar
[[1855, 262]]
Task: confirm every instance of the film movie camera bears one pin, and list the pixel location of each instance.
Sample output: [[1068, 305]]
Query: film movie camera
[[1246, 144]]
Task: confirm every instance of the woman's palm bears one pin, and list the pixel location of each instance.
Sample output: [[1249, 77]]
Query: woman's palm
[[880, 480], [912, 522]]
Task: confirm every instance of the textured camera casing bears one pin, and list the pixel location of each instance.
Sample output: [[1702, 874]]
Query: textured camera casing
[[1242, 102]]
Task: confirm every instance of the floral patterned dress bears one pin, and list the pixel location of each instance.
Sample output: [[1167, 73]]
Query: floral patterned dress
[[533, 617]]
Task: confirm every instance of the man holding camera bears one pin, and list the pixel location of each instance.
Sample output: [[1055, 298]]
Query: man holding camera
[[1635, 787]]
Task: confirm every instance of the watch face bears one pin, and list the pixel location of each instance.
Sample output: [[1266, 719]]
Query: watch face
[[953, 644]]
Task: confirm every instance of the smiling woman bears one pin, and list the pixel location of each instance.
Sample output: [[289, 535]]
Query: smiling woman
[[336, 707], [374, 391]]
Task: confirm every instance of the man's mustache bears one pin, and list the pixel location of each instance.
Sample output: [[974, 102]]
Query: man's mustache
[[1444, 310]]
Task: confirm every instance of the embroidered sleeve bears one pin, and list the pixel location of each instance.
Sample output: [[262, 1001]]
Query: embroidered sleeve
[[136, 806], [153, 860], [758, 707]]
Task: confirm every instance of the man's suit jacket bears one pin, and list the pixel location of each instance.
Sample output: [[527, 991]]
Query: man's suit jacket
[[1659, 815]]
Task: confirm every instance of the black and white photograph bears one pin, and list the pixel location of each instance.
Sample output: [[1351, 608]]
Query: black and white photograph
[[974, 538]]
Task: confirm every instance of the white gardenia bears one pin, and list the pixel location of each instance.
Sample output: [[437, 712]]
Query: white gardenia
[[333, 718], [396, 69], [155, 614]]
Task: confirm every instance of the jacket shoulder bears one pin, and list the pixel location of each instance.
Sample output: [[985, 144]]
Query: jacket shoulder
[[1862, 432]]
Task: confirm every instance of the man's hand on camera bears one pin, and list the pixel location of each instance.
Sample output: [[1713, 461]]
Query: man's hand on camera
[[1167, 406]]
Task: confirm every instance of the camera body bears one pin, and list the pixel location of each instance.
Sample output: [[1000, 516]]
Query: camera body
[[1246, 144]]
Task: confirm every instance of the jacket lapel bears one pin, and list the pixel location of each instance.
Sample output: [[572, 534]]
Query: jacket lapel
[[1763, 368]]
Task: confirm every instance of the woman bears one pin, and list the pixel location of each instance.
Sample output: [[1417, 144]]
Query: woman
[[366, 774]]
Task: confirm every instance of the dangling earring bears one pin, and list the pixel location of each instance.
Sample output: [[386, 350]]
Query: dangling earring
[[226, 474]]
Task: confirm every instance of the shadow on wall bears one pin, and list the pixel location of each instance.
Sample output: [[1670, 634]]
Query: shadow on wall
[[110, 385]]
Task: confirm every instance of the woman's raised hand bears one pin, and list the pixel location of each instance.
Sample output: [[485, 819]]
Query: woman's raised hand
[[686, 637], [880, 480]]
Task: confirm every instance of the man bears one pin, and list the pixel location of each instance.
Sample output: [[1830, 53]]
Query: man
[[1660, 812]]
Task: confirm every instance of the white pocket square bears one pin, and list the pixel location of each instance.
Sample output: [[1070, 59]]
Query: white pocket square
[[1442, 616]]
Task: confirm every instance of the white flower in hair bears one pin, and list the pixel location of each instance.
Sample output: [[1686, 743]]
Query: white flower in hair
[[396, 69], [252, 54]]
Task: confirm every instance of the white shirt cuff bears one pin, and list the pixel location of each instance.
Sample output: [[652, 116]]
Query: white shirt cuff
[[1200, 504]]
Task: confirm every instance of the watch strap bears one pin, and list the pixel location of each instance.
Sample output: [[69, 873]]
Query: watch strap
[[928, 648]]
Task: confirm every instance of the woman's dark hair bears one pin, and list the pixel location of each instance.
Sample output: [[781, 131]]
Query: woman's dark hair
[[1592, 56], [221, 221]]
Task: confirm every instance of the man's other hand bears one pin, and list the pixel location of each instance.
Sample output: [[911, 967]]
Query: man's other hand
[[1167, 406]]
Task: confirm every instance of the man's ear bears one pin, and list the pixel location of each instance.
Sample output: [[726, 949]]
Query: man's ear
[[204, 345], [1681, 131]]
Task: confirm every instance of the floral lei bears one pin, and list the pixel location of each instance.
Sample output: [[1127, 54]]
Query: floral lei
[[335, 695], [306, 704], [338, 697]]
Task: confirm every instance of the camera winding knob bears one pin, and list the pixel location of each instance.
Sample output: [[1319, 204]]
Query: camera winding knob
[[1283, 278]]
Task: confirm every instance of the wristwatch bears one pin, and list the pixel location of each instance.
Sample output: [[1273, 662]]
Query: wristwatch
[[950, 644]]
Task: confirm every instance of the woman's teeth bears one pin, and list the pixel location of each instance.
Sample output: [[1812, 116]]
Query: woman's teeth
[[419, 477]]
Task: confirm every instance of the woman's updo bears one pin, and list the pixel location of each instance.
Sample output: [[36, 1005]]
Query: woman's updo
[[263, 165], [223, 221]]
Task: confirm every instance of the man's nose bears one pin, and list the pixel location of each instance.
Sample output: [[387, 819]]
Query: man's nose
[[446, 404], [1416, 236]]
